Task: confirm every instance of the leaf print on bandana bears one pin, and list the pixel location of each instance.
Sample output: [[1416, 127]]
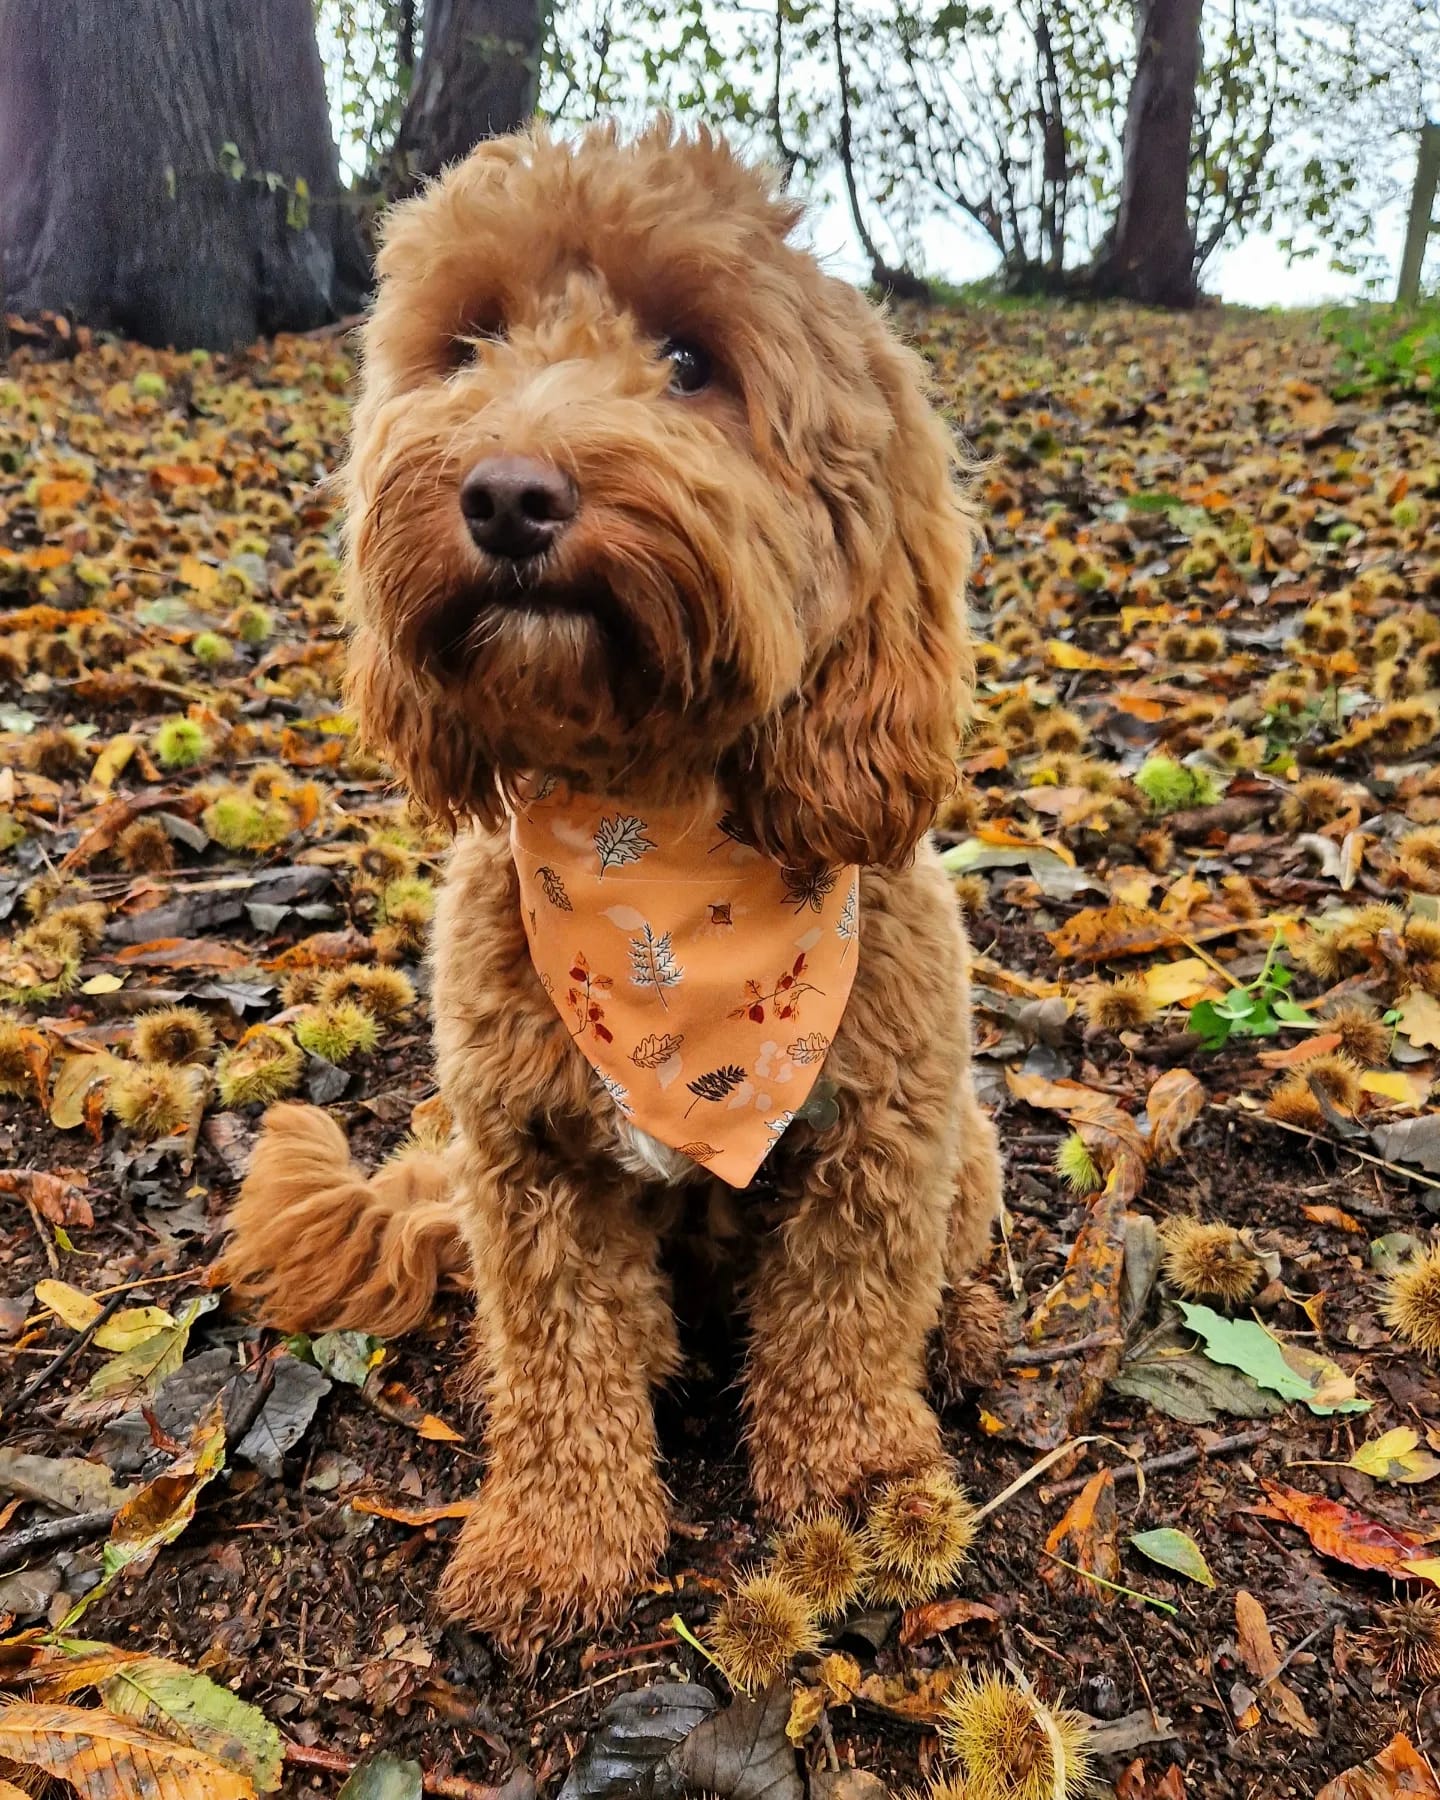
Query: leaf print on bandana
[[584, 1000], [785, 996], [618, 1093], [653, 965], [715, 1085], [847, 926], [697, 1152], [621, 840], [651, 1051], [554, 888], [810, 1049], [808, 887]]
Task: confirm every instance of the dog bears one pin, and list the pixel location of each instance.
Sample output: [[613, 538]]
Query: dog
[[643, 503]]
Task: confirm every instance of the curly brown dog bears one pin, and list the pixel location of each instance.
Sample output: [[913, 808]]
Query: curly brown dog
[[641, 497]]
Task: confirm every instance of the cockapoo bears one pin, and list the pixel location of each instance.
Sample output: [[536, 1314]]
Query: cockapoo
[[656, 572]]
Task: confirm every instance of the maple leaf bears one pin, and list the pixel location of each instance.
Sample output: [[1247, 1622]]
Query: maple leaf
[[621, 840]]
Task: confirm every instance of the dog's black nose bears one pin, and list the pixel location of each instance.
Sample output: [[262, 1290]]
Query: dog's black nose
[[517, 507]]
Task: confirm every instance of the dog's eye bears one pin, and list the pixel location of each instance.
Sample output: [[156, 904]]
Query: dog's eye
[[690, 367]]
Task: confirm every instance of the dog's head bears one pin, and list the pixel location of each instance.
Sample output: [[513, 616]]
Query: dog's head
[[637, 490]]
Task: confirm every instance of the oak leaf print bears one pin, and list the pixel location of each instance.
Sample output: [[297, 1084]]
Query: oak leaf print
[[621, 840], [715, 1084], [651, 1051], [554, 888], [653, 965], [809, 1049], [808, 887]]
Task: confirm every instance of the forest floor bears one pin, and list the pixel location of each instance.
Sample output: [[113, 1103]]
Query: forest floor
[[1202, 794]]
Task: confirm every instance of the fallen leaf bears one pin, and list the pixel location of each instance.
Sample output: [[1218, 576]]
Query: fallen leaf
[[741, 1752], [138, 1371], [921, 1623], [57, 1194], [106, 1758], [1085, 1536], [123, 1330], [1244, 1344], [1349, 1536], [1258, 1653], [1172, 1106], [1396, 1456], [918, 1695], [414, 1515], [384, 1778], [1177, 983], [1419, 1019], [1174, 1550], [1334, 1217], [1411, 1141], [1398, 1770], [69, 1483], [635, 1732]]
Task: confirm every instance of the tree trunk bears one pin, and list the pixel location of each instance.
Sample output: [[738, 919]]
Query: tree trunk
[[478, 77], [1149, 255], [167, 169]]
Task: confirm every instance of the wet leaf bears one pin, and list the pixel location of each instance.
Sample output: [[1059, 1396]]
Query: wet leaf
[[1174, 1550], [384, 1778], [1396, 1456], [1085, 1537], [1263, 1660], [106, 1758], [69, 1483], [1398, 1771], [136, 1373], [741, 1753], [636, 1731], [921, 1623], [1349, 1536], [123, 1330], [914, 1694]]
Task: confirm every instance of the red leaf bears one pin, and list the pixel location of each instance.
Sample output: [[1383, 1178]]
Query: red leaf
[[785, 981], [605, 1035], [1349, 1536], [757, 1013], [577, 973]]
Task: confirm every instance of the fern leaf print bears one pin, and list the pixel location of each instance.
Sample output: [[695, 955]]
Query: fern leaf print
[[847, 926], [621, 840], [653, 965], [714, 1085]]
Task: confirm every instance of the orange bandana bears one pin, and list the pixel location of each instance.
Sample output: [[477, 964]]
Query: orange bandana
[[702, 981]]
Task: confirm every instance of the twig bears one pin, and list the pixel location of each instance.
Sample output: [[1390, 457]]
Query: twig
[[1051, 1353], [590, 1686], [46, 1241], [625, 1651], [1159, 1465], [1404, 1170], [57, 1363], [17, 1547]]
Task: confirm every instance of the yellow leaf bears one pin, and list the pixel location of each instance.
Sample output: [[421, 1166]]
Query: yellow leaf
[[1396, 1456], [1420, 1018], [438, 1431], [1069, 656], [78, 1075], [104, 1758], [102, 984], [1426, 1569], [1394, 1085], [1174, 983], [112, 760], [198, 575], [806, 1706]]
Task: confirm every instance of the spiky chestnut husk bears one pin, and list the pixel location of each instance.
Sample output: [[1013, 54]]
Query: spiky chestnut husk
[[337, 1032], [1424, 670], [406, 908], [918, 1533], [1169, 786], [1076, 1167], [53, 752], [1157, 847], [995, 1732], [972, 893], [1412, 1302], [386, 993], [175, 1035], [960, 811], [383, 861], [1123, 1005], [16, 1075], [251, 624], [1405, 1640], [1338, 1077], [144, 848], [1173, 644], [758, 1631], [825, 1560], [211, 649], [1292, 1103], [180, 744], [944, 1787], [301, 986], [1421, 938], [1206, 645], [240, 821], [1017, 719], [1208, 1262], [1313, 802], [1389, 640], [151, 1100], [1364, 1036], [1060, 732], [1418, 857], [86, 918], [1017, 637], [265, 1066], [41, 962]]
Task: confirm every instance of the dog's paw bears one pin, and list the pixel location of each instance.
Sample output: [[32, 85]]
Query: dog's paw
[[529, 1574], [968, 1349], [794, 1469]]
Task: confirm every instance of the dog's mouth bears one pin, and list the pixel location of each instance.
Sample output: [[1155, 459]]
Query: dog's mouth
[[458, 630]]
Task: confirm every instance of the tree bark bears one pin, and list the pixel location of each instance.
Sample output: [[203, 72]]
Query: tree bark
[[118, 204], [478, 76], [1149, 255]]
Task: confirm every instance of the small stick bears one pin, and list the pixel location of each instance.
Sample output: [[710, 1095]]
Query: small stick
[[17, 1547], [46, 1241], [57, 1363], [626, 1651], [1159, 1465], [590, 1686], [1052, 1353]]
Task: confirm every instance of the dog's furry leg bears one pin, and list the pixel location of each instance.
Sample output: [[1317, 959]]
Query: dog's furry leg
[[974, 1331], [573, 1326], [316, 1246]]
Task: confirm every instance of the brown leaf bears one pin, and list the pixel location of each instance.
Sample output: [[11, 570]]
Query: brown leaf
[[1086, 1537], [105, 1758], [56, 1194], [1171, 1107], [1258, 1653], [182, 953], [1398, 1770], [1349, 1536], [921, 1623], [916, 1694]]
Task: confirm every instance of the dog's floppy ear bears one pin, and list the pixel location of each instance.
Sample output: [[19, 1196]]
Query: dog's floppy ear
[[404, 717], [852, 768]]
